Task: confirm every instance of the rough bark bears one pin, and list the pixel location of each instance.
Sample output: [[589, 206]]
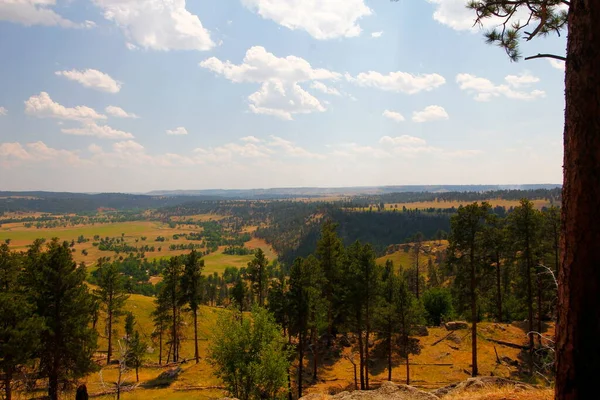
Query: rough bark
[[362, 360], [578, 347], [389, 349], [110, 320], [407, 369], [7, 385], [474, 370], [196, 353], [300, 363], [498, 289]]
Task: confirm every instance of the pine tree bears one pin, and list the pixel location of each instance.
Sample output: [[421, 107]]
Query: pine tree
[[410, 314], [257, 272], [238, 295], [191, 285], [524, 224], [171, 298], [466, 255], [305, 305], [19, 327], [386, 314], [136, 346], [495, 241], [329, 252], [61, 298], [160, 319], [112, 297]]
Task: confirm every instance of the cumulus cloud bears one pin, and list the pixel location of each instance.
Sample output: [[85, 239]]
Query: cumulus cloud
[[42, 106], [289, 148], [93, 79], [177, 131], [376, 34], [3, 111], [484, 90], [100, 131], [558, 64], [393, 115], [35, 152], [119, 112], [280, 94], [157, 24], [402, 82], [430, 113], [251, 139], [321, 87], [524, 79], [321, 19], [36, 12]]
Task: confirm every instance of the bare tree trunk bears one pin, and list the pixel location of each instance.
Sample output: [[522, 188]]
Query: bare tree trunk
[[367, 351], [174, 334], [160, 343], [53, 386], [300, 363], [196, 354], [389, 349], [474, 370], [407, 369], [7, 385], [578, 330], [109, 351], [315, 340], [539, 309], [362, 360], [498, 288]]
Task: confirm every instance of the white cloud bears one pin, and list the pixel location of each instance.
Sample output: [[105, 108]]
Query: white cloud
[[404, 140], [100, 131], [291, 149], [356, 150], [321, 19], [397, 81], [321, 87], [252, 139], [453, 13], [93, 79], [42, 106], [35, 152], [280, 95], [430, 113], [524, 79], [157, 24], [177, 131], [558, 64], [376, 34], [3, 111], [35, 12], [393, 115], [119, 112], [484, 90], [260, 66]]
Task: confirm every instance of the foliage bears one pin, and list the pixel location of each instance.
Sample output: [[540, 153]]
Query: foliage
[[438, 305], [250, 356]]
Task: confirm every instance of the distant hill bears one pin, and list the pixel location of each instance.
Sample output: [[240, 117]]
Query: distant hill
[[342, 191]]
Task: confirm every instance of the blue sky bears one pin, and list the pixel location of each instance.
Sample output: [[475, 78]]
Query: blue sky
[[136, 95]]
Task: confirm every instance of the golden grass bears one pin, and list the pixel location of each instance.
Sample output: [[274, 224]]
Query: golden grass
[[502, 393]]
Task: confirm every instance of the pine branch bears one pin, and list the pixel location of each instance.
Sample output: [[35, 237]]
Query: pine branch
[[547, 56]]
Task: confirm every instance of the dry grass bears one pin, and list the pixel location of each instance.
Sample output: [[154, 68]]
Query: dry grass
[[502, 393]]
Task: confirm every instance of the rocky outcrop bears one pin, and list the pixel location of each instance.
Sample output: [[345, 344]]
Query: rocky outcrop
[[479, 383], [387, 391], [456, 325]]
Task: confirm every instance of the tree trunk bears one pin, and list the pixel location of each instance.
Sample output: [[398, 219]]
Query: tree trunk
[[417, 275], [498, 288], [367, 352], [315, 353], [109, 351], [474, 370], [362, 360], [160, 341], [196, 355], [53, 386], [389, 349], [300, 363], [530, 313], [578, 330], [7, 385], [174, 334], [539, 310], [407, 368], [137, 376]]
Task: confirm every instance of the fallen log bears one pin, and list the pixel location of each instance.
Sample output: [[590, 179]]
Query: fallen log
[[508, 344]]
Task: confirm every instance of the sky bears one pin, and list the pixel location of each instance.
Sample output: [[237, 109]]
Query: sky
[[140, 95]]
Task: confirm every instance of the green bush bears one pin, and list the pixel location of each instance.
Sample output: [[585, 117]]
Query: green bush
[[438, 305]]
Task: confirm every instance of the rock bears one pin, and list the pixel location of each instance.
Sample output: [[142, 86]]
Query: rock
[[479, 383], [453, 338], [421, 330], [388, 390], [456, 325]]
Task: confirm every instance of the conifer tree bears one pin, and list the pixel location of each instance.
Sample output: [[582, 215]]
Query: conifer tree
[[19, 327], [171, 297], [62, 300], [191, 286], [257, 272], [466, 255], [112, 297]]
